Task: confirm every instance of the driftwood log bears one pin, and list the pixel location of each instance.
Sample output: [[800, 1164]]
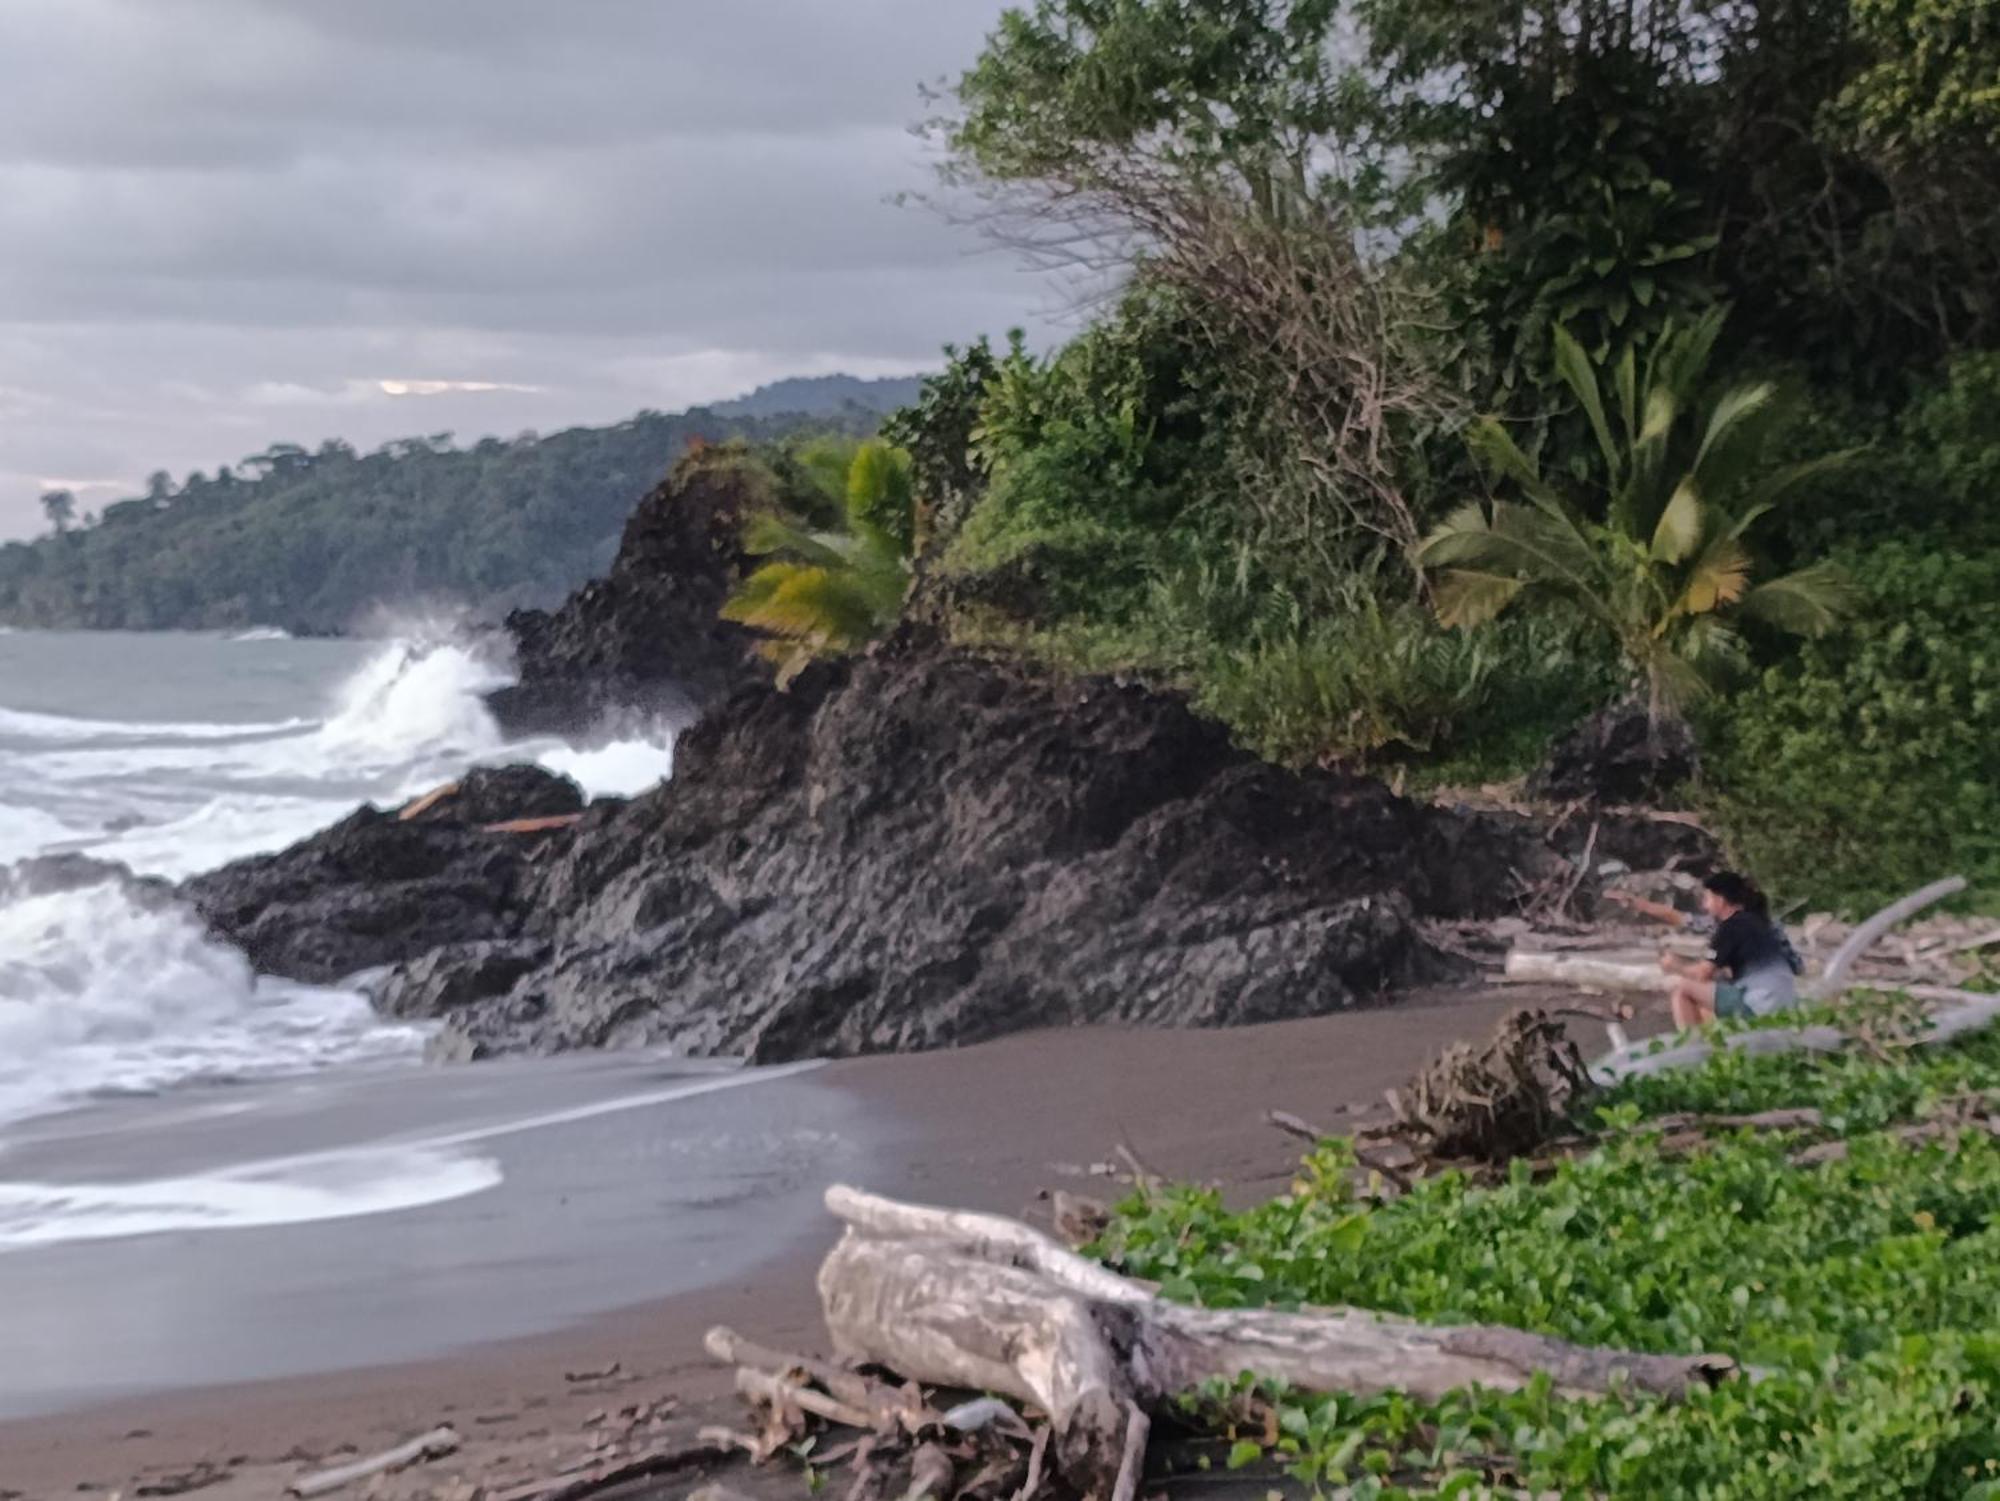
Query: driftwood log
[[1833, 978], [983, 1302], [1592, 971], [1952, 1014], [433, 1445], [1629, 971]]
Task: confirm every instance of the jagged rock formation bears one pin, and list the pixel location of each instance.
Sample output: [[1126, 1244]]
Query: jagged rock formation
[[1618, 755], [378, 888], [917, 849], [646, 639]]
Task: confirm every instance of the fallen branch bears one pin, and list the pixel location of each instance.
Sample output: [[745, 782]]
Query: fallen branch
[[1953, 1014], [1132, 1464], [1833, 978], [781, 1394], [641, 1467], [433, 1445], [850, 1387]]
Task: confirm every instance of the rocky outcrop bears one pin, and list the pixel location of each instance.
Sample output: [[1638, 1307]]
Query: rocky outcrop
[[925, 848], [1618, 755], [917, 849], [379, 888], [646, 640]]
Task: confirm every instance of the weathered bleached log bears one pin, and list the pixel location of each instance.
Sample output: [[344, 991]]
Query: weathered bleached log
[[1594, 971], [1833, 978], [1953, 1014], [433, 1445], [972, 1300], [987, 1237]]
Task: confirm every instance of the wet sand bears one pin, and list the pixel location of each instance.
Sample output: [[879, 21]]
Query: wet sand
[[545, 1277]]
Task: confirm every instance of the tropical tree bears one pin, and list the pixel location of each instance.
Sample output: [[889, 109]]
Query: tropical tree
[[1653, 551], [60, 507], [830, 592]]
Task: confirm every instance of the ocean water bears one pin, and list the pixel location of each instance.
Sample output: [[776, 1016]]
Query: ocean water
[[174, 753]]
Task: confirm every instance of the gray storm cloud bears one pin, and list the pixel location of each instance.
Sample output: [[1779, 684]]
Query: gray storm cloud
[[228, 222]]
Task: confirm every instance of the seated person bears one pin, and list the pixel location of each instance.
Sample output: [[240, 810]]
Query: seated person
[[1751, 967]]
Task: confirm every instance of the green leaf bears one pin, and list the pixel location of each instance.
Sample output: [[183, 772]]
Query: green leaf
[[1465, 598], [1680, 526], [1576, 370], [1244, 1452]]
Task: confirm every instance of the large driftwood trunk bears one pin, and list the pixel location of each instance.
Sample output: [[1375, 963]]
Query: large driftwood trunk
[[979, 1301]]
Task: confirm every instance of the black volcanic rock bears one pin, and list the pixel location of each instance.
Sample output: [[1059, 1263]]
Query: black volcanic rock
[[920, 848], [1618, 755], [456, 975], [647, 638], [925, 848], [377, 889]]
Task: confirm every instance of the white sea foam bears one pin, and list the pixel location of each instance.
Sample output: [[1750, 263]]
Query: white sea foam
[[103, 988], [619, 769], [99, 991], [331, 1185]]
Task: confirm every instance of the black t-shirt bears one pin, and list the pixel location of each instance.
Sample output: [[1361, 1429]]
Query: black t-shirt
[[1747, 944]]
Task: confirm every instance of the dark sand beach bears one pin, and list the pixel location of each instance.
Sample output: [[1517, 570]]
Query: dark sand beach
[[631, 1216]]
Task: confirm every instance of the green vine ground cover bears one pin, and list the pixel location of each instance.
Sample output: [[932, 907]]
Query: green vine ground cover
[[1866, 1292]]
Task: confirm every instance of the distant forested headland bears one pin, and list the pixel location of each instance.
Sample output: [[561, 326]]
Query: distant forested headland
[[313, 539]]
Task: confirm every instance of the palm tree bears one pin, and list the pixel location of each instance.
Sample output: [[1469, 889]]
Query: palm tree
[[1665, 568], [826, 593]]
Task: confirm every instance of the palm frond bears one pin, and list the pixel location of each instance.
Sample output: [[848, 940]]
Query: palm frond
[[1465, 597], [1680, 526], [1719, 577], [1808, 602], [768, 535], [1494, 447], [1734, 437], [1574, 366]]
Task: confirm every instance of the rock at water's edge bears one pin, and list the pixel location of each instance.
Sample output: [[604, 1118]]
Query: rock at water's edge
[[647, 639], [377, 889]]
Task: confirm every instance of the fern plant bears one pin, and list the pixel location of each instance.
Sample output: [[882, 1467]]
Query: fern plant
[[831, 592], [1657, 557]]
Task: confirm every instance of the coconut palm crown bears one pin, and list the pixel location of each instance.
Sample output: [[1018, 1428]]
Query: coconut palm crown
[[1656, 555], [826, 593]]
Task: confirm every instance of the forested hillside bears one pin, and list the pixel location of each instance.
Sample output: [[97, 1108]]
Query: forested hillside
[[312, 540], [1469, 370]]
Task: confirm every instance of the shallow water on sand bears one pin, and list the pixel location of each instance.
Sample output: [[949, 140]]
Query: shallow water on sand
[[364, 1216]]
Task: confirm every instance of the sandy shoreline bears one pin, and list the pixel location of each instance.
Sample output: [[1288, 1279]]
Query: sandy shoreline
[[985, 1127]]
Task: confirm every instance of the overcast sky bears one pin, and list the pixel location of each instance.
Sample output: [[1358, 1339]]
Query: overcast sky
[[229, 222]]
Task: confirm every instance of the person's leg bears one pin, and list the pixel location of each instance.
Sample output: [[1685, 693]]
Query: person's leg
[[1694, 1003]]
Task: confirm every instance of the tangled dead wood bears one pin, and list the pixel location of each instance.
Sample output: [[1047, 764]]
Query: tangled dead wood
[[1491, 1101], [982, 1303]]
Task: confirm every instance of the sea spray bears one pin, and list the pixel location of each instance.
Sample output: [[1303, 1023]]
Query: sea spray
[[111, 984]]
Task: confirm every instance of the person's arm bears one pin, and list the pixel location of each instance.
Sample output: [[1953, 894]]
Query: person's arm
[[1659, 911]]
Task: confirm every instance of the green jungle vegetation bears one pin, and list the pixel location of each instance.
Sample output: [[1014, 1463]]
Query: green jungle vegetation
[[312, 540], [1864, 1290], [1455, 369]]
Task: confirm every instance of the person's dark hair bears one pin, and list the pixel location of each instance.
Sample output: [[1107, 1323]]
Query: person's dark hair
[[1739, 891]]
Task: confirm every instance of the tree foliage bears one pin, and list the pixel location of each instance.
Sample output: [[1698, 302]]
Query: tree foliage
[[313, 539], [830, 592], [1659, 559]]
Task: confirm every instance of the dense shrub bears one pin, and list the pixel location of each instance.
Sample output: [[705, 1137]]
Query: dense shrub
[[1865, 766], [1864, 1290]]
